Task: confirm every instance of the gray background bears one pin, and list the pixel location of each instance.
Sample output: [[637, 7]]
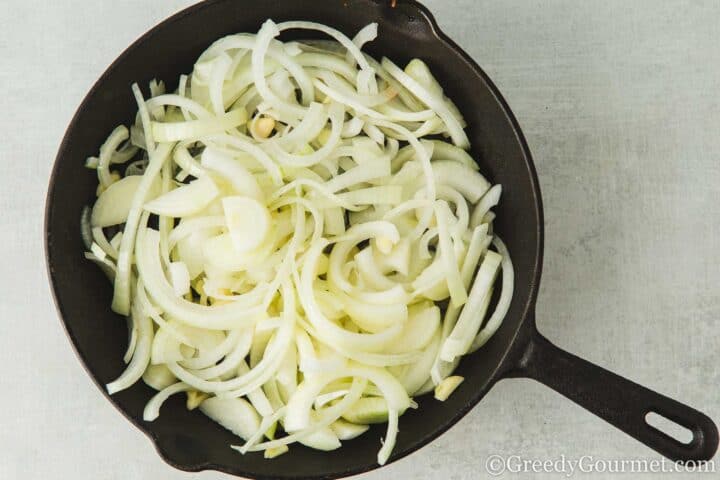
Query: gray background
[[620, 104]]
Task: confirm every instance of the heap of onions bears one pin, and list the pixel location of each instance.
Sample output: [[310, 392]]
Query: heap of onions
[[284, 228]]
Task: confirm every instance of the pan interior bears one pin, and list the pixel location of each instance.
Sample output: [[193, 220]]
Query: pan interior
[[188, 439]]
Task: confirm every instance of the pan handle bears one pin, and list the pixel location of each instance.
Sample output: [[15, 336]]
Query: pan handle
[[620, 402]]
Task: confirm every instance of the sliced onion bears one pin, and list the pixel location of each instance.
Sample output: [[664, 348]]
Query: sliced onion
[[458, 295], [152, 408], [179, 278], [432, 100], [233, 315], [141, 356], [107, 150], [235, 414], [462, 178], [286, 270], [185, 200], [488, 201], [121, 294], [248, 222], [195, 129], [503, 305], [242, 181], [460, 339]]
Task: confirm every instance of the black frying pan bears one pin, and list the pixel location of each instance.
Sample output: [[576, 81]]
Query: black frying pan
[[188, 440]]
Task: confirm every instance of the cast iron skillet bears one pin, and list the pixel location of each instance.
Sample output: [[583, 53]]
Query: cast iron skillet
[[188, 440]]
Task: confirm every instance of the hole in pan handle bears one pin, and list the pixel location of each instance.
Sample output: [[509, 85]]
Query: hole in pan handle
[[619, 401]]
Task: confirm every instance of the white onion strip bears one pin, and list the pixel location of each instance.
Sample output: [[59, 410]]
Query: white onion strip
[[503, 305], [141, 355]]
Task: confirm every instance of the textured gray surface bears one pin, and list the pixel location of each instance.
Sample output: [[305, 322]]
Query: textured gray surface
[[619, 101]]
